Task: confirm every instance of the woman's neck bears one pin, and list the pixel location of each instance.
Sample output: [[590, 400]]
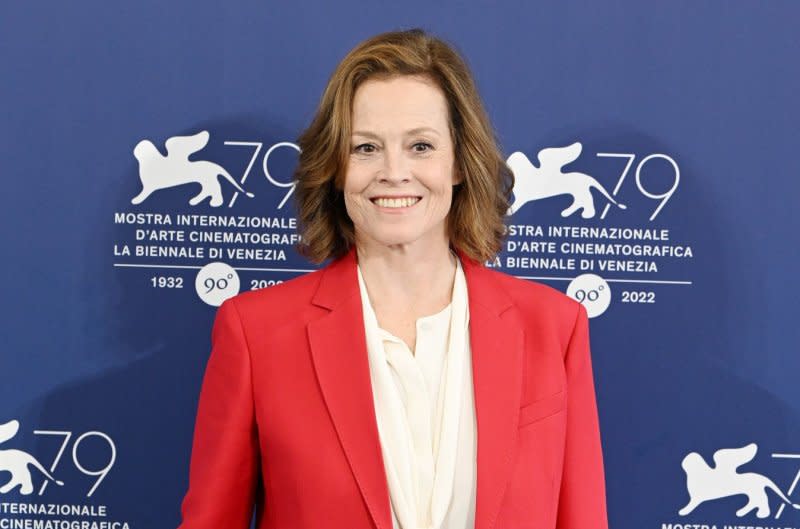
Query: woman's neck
[[407, 280]]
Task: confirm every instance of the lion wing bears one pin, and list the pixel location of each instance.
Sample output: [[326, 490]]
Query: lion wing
[[183, 146], [8, 430], [732, 458], [554, 158]]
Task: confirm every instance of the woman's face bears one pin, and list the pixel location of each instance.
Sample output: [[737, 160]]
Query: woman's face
[[400, 174]]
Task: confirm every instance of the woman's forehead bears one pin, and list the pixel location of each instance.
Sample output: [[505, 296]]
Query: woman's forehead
[[407, 102]]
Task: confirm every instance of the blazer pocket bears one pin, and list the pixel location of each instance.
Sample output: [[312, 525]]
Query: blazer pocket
[[542, 408]]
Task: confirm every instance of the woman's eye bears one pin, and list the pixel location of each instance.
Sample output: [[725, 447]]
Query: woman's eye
[[364, 148], [422, 147]]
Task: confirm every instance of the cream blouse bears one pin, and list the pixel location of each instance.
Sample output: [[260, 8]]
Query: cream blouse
[[424, 405]]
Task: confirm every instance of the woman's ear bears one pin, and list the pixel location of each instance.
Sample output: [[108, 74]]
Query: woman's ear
[[458, 177], [338, 183]]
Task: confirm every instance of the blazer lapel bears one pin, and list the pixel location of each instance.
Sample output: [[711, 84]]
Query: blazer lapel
[[496, 339], [338, 346], [339, 352]]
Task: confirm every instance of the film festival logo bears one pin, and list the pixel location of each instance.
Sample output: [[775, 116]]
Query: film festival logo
[[208, 239], [19, 464], [549, 179], [532, 183], [706, 483], [157, 171]]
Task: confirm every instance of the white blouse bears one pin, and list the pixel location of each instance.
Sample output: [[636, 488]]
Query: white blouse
[[424, 405]]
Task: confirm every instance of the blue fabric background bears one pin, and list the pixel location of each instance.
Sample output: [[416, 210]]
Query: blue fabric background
[[87, 346]]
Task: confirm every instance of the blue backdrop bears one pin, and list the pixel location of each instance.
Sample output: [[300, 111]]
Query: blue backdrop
[[685, 113]]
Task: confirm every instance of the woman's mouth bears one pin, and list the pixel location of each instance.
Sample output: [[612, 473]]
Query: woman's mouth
[[395, 202]]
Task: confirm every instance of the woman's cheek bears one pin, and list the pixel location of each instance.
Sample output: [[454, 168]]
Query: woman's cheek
[[355, 209]]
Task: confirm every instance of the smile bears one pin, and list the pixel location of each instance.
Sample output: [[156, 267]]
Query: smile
[[398, 202]]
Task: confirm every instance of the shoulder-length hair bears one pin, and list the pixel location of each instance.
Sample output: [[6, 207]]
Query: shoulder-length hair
[[480, 202]]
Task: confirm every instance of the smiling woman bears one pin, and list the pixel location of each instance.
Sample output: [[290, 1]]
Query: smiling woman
[[404, 385], [422, 81], [400, 173]]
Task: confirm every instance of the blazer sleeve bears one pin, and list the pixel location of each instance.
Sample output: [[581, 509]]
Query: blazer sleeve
[[223, 473], [582, 499]]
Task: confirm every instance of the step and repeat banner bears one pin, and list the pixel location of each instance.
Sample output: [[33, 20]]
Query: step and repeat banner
[[147, 151]]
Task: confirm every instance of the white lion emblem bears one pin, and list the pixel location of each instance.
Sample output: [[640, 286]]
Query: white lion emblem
[[157, 171], [17, 461], [705, 483], [547, 180]]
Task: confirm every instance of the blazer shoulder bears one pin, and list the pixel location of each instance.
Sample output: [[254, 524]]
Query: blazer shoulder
[[278, 301], [541, 305], [533, 295]]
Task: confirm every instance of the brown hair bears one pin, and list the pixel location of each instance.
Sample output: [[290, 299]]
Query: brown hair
[[480, 201]]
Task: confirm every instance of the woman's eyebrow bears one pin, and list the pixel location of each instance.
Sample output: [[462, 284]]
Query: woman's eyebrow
[[417, 130], [366, 134], [420, 130]]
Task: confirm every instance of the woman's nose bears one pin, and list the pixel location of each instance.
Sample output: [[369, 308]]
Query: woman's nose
[[395, 168]]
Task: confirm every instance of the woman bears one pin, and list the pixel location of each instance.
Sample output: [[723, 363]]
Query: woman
[[404, 385]]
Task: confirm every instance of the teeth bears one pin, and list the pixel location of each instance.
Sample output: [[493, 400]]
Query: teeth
[[396, 202]]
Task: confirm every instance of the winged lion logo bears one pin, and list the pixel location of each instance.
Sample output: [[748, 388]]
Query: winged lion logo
[[705, 483], [548, 180], [17, 462], [157, 171]]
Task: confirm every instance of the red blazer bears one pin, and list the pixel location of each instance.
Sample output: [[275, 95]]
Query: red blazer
[[286, 419]]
